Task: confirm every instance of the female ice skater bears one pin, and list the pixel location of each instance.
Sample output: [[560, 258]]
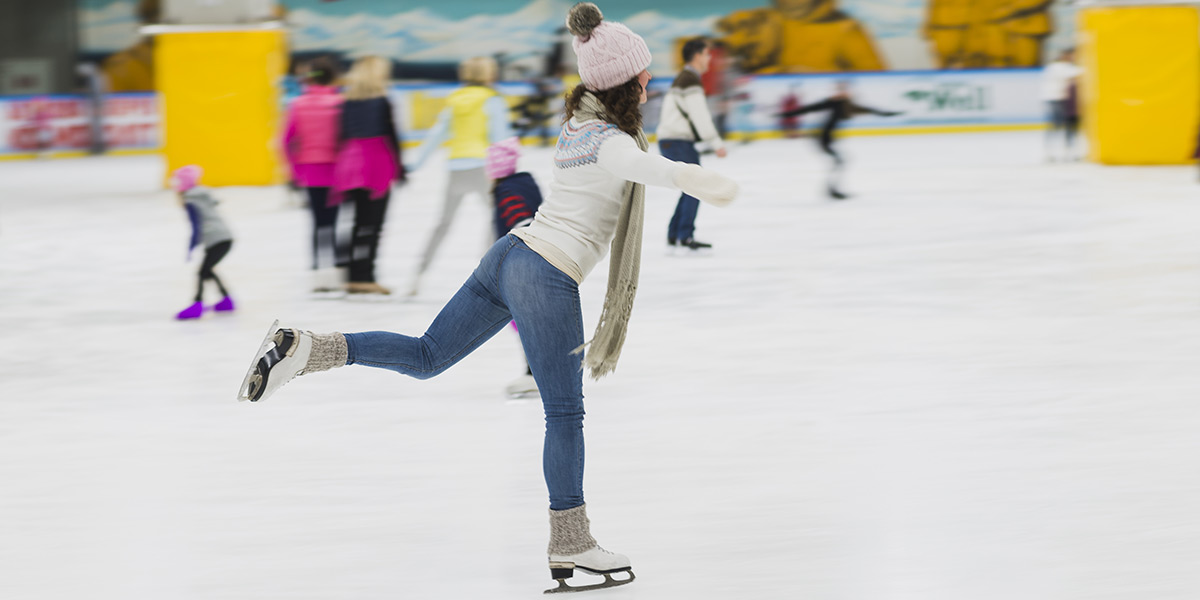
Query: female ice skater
[[533, 274], [841, 107], [368, 162], [310, 144]]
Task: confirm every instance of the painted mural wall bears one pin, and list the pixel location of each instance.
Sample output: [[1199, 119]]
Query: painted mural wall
[[763, 36]]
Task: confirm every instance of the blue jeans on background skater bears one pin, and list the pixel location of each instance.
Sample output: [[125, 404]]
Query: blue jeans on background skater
[[512, 282], [683, 222]]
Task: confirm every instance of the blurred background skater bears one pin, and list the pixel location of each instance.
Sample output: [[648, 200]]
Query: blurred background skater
[[684, 121], [841, 106], [1059, 91], [743, 108], [42, 125], [474, 118], [368, 161], [516, 198], [311, 146], [790, 125], [208, 229]]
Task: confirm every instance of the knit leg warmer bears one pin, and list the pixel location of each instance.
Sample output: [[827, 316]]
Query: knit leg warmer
[[328, 351], [570, 532]]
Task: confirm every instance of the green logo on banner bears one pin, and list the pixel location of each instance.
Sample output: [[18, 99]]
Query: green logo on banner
[[952, 97]]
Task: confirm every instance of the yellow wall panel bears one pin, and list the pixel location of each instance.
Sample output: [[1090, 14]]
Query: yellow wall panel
[[1140, 92], [221, 103]]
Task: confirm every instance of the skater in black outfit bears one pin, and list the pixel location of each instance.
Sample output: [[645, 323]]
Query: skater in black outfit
[[841, 107]]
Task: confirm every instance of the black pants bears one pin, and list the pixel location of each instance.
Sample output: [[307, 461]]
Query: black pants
[[1062, 118], [364, 243], [834, 180], [212, 255], [324, 236]]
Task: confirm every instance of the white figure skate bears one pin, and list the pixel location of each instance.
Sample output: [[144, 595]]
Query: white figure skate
[[596, 561], [522, 387], [281, 357]]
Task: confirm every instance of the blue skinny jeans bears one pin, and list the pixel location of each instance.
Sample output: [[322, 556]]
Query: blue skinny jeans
[[512, 282]]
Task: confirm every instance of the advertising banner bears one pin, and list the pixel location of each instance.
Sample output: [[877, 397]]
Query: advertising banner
[[938, 100], [54, 124], [929, 101]]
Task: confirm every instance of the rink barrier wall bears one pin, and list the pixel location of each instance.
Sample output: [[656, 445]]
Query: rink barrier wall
[[933, 102], [1140, 88], [220, 102]]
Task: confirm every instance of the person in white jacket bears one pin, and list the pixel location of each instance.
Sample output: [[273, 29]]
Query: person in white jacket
[[1058, 91], [532, 276], [684, 121]]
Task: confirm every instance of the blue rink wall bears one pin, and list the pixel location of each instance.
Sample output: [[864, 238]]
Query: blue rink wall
[[931, 101]]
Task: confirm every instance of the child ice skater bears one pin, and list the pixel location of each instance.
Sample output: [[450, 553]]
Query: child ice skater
[[207, 228], [532, 275], [516, 198]]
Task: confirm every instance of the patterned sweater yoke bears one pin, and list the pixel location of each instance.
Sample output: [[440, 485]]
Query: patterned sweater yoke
[[579, 143]]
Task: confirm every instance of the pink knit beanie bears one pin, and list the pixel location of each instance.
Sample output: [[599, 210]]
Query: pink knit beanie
[[186, 178], [609, 53], [502, 158]]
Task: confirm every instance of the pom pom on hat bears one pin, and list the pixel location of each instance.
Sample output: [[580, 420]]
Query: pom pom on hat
[[186, 178], [502, 158], [609, 53], [583, 18]]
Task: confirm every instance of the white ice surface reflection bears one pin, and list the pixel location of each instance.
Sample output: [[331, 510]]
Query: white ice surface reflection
[[977, 379]]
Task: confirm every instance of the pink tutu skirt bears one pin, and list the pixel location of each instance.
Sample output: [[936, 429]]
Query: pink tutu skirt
[[366, 163]]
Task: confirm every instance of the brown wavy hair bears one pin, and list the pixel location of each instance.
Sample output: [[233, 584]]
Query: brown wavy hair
[[622, 105]]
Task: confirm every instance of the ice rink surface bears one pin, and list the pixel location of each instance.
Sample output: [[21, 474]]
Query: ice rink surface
[[977, 379]]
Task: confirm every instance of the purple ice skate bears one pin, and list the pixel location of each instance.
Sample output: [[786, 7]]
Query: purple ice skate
[[192, 312], [225, 305]]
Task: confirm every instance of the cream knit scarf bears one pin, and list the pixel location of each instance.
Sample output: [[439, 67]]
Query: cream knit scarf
[[624, 263]]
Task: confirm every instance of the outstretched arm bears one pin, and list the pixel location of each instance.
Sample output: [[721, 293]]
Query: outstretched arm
[[194, 220], [434, 138], [857, 109], [499, 127], [620, 156], [807, 108]]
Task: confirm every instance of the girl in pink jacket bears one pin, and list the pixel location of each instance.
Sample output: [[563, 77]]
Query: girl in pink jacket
[[311, 143]]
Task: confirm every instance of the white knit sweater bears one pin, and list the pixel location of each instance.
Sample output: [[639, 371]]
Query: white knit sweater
[[576, 222]]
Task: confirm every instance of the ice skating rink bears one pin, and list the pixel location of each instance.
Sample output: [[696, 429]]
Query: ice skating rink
[[977, 379]]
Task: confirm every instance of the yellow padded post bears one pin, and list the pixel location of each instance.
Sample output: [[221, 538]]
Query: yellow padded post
[[1140, 92], [220, 100]]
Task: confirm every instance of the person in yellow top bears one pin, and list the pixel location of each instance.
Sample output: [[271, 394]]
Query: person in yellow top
[[475, 117], [796, 36]]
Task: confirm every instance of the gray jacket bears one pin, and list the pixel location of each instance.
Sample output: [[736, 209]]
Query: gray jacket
[[207, 226]]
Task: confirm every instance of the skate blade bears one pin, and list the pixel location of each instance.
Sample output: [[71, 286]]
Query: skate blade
[[327, 294], [524, 395], [252, 374], [374, 298], [608, 582]]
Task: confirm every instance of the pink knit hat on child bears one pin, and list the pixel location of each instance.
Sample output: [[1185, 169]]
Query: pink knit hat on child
[[609, 53], [502, 158], [186, 178]]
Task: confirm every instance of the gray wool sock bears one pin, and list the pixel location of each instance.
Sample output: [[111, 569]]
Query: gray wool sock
[[328, 351], [570, 531]]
